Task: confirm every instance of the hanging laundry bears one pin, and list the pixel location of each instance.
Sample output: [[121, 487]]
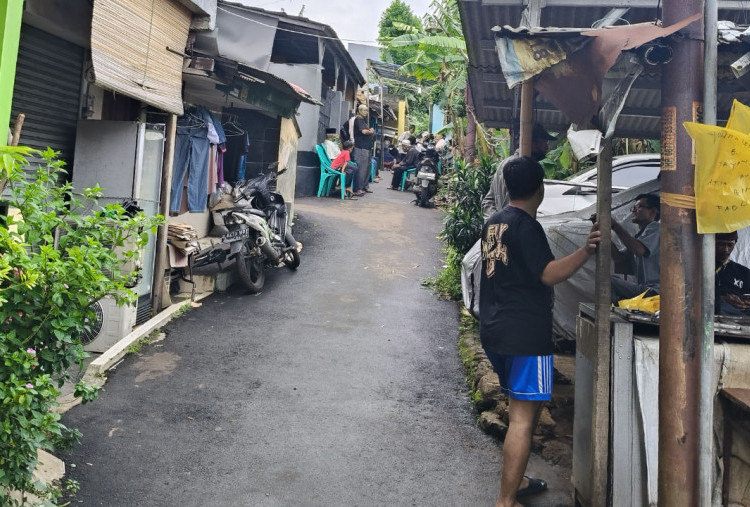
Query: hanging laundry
[[236, 157], [190, 161]]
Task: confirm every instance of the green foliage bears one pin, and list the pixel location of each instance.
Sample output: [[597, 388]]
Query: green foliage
[[448, 282], [56, 259], [625, 146], [396, 20], [558, 164], [468, 185]]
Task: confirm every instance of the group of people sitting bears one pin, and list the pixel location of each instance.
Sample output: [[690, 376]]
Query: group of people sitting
[[397, 158], [411, 151]]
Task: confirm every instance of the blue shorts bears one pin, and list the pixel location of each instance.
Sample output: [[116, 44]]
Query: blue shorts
[[523, 377]]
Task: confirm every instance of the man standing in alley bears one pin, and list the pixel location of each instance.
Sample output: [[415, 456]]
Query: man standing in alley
[[497, 197], [518, 272], [641, 254], [363, 139]]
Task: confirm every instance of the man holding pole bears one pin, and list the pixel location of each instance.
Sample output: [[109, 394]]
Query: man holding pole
[[518, 272]]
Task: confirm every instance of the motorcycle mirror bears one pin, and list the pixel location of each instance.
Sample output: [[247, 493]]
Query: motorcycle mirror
[[273, 166]]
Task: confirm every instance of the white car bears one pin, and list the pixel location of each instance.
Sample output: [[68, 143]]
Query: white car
[[579, 190]]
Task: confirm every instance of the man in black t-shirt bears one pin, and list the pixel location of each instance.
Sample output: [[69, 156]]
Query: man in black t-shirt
[[732, 279], [518, 272]]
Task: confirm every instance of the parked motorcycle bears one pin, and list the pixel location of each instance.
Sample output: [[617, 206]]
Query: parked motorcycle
[[426, 186], [273, 238], [253, 231]]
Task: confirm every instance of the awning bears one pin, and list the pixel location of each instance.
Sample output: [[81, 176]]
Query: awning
[[136, 49], [282, 85], [263, 90], [570, 71]]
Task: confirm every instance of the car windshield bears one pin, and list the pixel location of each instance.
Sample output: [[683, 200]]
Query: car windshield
[[627, 176]]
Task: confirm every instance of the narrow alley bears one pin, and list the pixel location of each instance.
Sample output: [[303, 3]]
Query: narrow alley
[[338, 385]]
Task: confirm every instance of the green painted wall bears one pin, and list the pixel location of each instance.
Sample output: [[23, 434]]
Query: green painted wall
[[10, 33]]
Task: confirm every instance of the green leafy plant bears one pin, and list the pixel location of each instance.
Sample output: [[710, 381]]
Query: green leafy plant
[[466, 188], [558, 164], [467, 185], [58, 255]]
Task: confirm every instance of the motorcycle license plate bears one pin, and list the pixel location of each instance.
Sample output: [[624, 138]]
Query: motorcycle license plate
[[426, 176], [235, 235]]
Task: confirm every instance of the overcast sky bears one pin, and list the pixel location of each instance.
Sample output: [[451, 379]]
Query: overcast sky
[[353, 20]]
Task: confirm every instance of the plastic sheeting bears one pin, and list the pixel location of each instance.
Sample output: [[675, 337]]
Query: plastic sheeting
[[731, 369], [566, 233]]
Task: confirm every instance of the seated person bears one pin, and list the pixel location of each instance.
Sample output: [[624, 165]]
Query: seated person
[[439, 142], [732, 279], [343, 163], [332, 147], [397, 155], [409, 162], [641, 254], [388, 161]]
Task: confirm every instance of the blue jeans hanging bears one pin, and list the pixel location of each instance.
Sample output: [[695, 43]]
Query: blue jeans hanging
[[190, 155]]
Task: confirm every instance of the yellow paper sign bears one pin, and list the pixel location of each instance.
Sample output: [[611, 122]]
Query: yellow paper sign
[[722, 173], [739, 117]]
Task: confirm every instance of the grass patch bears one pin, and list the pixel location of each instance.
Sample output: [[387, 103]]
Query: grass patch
[[447, 284], [181, 310], [145, 341], [468, 339]]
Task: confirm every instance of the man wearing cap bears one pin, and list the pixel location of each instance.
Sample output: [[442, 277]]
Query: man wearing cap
[[409, 162], [497, 198], [732, 279], [363, 139]]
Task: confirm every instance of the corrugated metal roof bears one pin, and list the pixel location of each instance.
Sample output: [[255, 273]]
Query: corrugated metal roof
[[307, 26], [494, 102], [390, 71]]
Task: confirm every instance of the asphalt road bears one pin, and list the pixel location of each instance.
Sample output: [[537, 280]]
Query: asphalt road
[[338, 385]]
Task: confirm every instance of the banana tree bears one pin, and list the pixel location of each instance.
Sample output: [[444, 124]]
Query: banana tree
[[439, 54]]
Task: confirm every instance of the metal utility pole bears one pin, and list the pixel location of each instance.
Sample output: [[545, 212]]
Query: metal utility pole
[[681, 267], [707, 390]]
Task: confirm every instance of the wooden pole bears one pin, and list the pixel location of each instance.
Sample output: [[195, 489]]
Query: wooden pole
[[600, 420], [160, 266], [527, 117], [17, 129], [13, 142]]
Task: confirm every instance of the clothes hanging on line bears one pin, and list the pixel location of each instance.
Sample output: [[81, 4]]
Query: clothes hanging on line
[[235, 157]]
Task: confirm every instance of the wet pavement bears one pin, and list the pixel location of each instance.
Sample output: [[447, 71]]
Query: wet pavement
[[338, 385]]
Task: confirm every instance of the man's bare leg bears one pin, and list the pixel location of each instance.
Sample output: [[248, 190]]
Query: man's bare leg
[[523, 416]]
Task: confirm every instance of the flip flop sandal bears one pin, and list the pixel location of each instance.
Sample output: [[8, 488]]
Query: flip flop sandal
[[352, 198], [535, 486]]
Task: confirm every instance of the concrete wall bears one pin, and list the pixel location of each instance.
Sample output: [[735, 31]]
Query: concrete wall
[[360, 53], [308, 77]]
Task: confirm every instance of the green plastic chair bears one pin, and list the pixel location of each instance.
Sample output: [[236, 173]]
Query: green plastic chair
[[406, 175], [327, 174]]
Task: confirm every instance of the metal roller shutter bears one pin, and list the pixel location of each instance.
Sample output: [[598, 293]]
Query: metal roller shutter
[[48, 91]]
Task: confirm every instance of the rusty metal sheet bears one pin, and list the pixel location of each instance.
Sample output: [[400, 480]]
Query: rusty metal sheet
[[574, 85]]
